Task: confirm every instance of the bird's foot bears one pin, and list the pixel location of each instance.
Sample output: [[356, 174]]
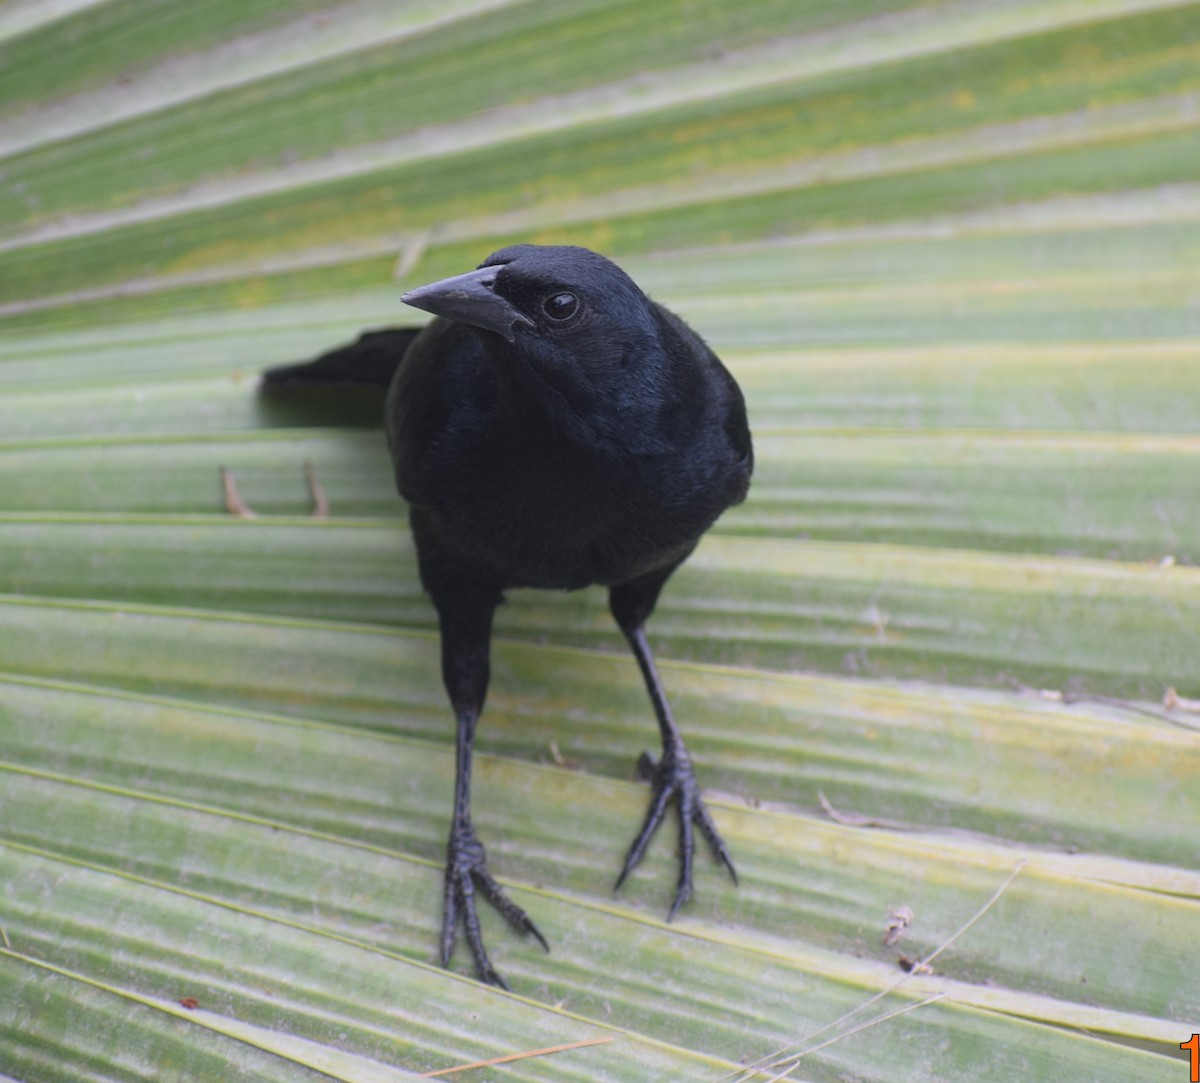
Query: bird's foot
[[672, 780], [466, 870]]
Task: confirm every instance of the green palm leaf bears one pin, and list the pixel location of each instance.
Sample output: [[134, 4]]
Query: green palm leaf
[[950, 251]]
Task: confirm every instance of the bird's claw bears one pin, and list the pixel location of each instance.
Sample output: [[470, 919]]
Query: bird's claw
[[672, 780], [466, 871]]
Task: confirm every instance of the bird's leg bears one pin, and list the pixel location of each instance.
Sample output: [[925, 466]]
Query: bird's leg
[[466, 626], [672, 779]]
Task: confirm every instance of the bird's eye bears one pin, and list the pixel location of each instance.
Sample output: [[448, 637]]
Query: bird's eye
[[561, 306]]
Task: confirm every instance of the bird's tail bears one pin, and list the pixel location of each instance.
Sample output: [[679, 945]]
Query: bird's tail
[[370, 361]]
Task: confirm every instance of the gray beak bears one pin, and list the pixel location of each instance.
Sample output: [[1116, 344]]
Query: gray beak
[[471, 299]]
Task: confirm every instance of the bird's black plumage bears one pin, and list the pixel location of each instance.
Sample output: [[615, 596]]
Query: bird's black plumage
[[555, 428]]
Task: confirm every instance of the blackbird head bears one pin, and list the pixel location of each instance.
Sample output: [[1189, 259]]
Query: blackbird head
[[571, 324]]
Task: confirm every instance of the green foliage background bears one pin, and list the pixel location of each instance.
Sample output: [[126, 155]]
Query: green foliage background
[[952, 252]]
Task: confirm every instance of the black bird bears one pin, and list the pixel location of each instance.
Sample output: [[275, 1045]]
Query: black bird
[[553, 427]]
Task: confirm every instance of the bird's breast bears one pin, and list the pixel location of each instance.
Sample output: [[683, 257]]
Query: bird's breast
[[554, 518]]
